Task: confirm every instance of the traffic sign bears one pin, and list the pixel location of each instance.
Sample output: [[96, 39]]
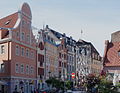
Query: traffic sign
[[73, 75]]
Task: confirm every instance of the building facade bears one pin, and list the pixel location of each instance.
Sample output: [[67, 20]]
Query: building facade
[[18, 51], [71, 57], [51, 53], [40, 60], [88, 60], [112, 54]]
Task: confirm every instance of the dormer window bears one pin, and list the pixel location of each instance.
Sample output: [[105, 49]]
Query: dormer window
[[6, 23]]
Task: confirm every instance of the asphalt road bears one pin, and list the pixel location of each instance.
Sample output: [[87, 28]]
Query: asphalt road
[[78, 92]]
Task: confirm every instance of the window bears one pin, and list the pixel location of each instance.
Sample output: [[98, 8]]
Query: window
[[27, 52], [2, 68], [23, 36], [2, 49], [31, 70], [28, 38], [119, 53], [7, 22], [17, 33], [17, 68], [32, 54], [27, 69], [22, 68], [22, 51], [17, 50]]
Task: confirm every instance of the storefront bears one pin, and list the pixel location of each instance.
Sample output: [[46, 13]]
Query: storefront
[[3, 87]]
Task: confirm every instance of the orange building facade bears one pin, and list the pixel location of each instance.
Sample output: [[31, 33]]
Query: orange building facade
[[18, 51]]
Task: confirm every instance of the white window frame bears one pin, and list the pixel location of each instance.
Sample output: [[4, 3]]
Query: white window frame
[[22, 51], [22, 68], [17, 68], [17, 50], [27, 53]]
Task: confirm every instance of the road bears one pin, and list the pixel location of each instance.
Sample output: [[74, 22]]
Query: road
[[78, 92]]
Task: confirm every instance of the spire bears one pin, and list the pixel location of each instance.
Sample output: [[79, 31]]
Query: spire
[[81, 33]]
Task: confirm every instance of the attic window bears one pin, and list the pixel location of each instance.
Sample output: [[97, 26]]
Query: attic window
[[6, 23]]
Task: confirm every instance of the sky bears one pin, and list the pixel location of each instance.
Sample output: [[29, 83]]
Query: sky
[[96, 18]]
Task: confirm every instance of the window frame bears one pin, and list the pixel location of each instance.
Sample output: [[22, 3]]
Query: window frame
[[2, 49], [17, 68], [21, 68]]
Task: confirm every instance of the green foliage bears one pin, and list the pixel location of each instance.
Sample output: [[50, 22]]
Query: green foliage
[[101, 83], [55, 83], [69, 84], [106, 86], [92, 81]]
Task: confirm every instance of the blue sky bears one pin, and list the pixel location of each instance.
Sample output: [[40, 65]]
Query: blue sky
[[97, 18]]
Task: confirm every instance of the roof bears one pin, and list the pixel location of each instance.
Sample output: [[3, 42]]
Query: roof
[[9, 21], [111, 57], [59, 35], [82, 42]]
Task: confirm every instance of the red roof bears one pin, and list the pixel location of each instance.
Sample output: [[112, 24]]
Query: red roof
[[9, 21], [111, 57]]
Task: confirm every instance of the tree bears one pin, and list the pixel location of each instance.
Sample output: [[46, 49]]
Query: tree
[[106, 86], [69, 84]]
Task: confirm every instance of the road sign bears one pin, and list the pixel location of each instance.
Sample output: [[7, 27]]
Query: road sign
[[73, 75]]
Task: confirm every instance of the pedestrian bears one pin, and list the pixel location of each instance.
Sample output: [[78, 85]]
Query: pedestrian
[[34, 90], [37, 91], [21, 90], [15, 91]]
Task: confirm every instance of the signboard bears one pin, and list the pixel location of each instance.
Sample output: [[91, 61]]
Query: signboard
[[73, 75]]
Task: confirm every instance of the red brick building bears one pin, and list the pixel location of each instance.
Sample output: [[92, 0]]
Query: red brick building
[[112, 54], [18, 51], [40, 60]]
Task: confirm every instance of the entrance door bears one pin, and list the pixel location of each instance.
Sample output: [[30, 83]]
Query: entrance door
[[2, 88]]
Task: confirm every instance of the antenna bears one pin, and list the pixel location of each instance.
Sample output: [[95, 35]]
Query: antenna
[[43, 25]]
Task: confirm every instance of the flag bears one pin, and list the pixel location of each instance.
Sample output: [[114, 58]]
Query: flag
[[81, 31]]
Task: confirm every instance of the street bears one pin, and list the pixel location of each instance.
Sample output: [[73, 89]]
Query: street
[[78, 92]]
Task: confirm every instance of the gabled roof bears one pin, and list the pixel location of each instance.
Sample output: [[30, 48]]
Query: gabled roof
[[82, 42]]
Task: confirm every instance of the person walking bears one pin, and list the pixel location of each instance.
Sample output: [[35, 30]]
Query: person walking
[[21, 90]]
